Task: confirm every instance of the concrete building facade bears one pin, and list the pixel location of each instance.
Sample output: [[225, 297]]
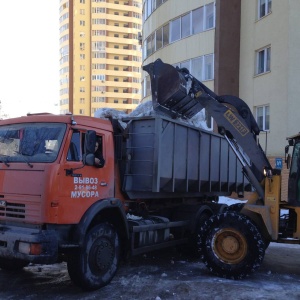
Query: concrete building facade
[[100, 55], [246, 48], [196, 35], [269, 68]]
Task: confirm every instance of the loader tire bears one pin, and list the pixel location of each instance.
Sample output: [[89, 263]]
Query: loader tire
[[95, 264], [231, 245], [12, 264]]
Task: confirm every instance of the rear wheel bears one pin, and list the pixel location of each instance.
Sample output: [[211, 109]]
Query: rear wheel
[[94, 265], [231, 245], [12, 264]]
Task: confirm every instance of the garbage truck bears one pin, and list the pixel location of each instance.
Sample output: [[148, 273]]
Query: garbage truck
[[159, 179], [232, 242]]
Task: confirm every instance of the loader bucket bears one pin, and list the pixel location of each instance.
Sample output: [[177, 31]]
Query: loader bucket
[[170, 91]]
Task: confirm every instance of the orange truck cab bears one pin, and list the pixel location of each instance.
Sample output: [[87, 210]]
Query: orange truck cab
[[45, 187]]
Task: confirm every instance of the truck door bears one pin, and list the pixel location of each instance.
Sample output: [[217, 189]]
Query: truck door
[[294, 178], [82, 185]]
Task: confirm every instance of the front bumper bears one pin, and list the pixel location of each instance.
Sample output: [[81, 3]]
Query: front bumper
[[28, 244]]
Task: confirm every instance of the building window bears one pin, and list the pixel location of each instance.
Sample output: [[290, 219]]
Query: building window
[[263, 117], [159, 39], [166, 31], [185, 25], [98, 46], [98, 66], [82, 23], [98, 54], [175, 30], [192, 22], [197, 20], [201, 67], [147, 90], [208, 67], [209, 16], [82, 100], [82, 56], [98, 77], [81, 111], [263, 60], [98, 99], [98, 21], [98, 32], [264, 7], [98, 10], [82, 89], [98, 88]]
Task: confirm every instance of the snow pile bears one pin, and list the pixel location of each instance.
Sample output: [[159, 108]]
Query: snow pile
[[146, 109]]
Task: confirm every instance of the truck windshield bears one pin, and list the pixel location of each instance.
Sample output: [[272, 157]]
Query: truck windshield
[[30, 142]]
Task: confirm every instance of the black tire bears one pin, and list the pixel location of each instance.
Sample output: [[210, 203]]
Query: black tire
[[95, 264], [12, 264], [237, 207], [231, 245]]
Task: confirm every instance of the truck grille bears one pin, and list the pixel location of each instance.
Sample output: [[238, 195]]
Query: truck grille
[[13, 210]]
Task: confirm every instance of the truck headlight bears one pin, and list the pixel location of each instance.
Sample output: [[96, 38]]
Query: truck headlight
[[30, 248]]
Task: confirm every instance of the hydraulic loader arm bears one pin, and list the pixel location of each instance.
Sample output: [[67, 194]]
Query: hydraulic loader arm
[[177, 93]]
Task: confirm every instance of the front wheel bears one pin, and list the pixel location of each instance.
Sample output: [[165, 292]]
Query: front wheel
[[94, 265], [231, 245]]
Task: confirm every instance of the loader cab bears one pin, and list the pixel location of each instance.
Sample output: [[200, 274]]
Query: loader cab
[[294, 176]]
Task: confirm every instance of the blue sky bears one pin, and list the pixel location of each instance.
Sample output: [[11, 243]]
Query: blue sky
[[29, 54]]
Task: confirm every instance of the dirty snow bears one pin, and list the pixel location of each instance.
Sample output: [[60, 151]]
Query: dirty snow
[[165, 274]]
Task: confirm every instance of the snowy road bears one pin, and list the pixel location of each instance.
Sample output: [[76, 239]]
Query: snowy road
[[164, 275]]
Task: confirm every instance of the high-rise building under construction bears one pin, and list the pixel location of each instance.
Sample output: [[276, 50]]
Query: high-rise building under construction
[[100, 55]]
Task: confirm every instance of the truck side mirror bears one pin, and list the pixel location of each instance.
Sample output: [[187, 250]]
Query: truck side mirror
[[89, 159], [288, 161], [286, 149], [287, 157]]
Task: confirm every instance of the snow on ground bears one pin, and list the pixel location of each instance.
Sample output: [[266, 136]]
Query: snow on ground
[[163, 275]]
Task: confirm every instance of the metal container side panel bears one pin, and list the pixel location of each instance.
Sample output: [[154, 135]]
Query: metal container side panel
[[179, 157], [140, 155], [224, 172], [205, 154], [166, 156]]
